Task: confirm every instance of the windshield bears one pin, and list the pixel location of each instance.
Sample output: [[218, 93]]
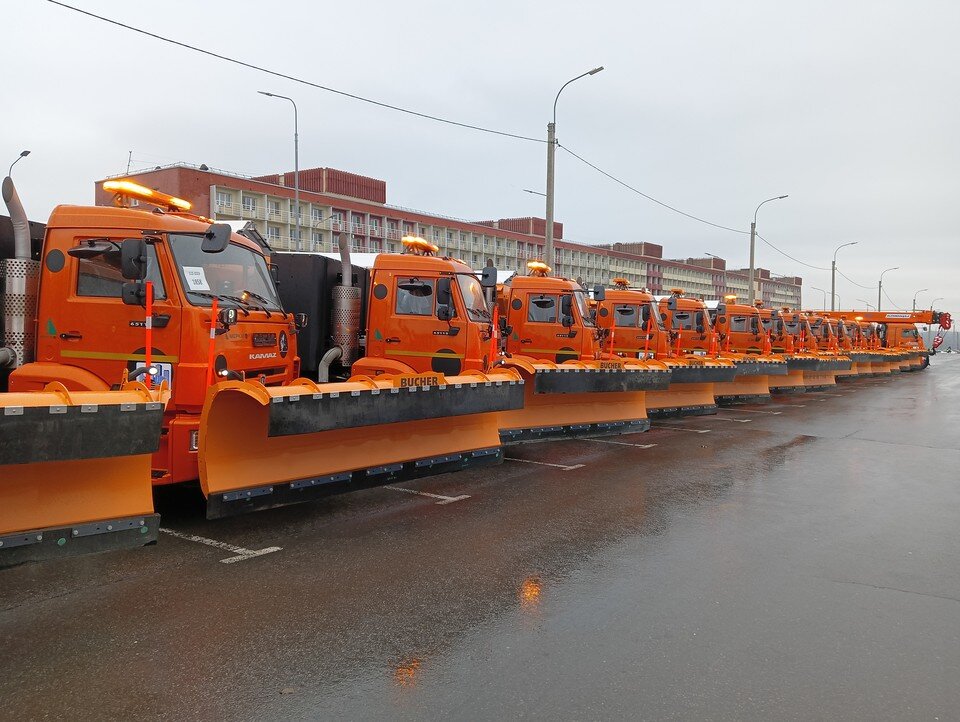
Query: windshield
[[473, 299], [583, 306], [225, 275]]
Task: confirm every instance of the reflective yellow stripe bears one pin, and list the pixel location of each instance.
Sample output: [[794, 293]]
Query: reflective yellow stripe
[[427, 354], [104, 356]]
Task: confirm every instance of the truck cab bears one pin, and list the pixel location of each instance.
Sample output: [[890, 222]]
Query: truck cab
[[740, 327], [96, 266], [688, 321], [549, 318], [425, 314], [632, 323]]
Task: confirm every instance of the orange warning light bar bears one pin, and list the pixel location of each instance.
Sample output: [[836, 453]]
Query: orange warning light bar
[[129, 189]]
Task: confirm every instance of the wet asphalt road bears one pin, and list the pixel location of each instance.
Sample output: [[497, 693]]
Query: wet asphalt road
[[794, 563]]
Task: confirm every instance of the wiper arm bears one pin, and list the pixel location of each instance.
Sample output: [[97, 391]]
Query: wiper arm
[[260, 298], [224, 297]]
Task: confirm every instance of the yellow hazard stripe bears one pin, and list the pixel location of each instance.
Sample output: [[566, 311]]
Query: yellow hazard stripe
[[104, 356], [426, 354]]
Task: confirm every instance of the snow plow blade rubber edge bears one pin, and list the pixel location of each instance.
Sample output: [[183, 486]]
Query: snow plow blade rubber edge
[[306, 441], [75, 471]]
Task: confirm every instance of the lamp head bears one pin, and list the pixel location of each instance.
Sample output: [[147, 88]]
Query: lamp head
[[595, 71]]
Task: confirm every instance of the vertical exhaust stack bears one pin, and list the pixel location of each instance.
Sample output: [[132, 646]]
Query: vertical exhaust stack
[[345, 309], [19, 283]]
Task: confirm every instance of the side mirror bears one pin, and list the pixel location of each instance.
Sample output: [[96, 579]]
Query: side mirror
[[443, 313], [599, 293], [133, 293], [566, 321], [216, 239], [300, 320], [443, 291], [699, 328], [133, 259], [672, 303], [488, 277], [721, 309], [274, 273], [566, 305]]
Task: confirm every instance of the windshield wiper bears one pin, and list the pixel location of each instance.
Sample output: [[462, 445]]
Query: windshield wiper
[[257, 296], [224, 297]]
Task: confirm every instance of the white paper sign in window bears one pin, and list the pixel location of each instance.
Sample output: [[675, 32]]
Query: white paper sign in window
[[196, 278]]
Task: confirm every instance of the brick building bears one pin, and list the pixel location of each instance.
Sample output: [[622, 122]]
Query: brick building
[[334, 202]]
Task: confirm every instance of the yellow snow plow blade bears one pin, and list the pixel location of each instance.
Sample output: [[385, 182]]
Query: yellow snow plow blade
[[581, 398], [75, 470], [756, 374], [262, 447], [693, 384]]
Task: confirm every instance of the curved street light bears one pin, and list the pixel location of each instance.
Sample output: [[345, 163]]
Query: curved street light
[[23, 154], [824, 296], [296, 161], [752, 292], [833, 274], [939, 298], [915, 297], [867, 304], [551, 161], [880, 286]]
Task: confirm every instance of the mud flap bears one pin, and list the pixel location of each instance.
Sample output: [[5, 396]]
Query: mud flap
[[266, 447], [75, 471]]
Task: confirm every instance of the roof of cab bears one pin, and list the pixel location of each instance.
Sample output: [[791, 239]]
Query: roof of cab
[[97, 218], [544, 283]]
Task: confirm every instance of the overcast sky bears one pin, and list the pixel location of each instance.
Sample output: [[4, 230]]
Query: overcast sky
[[852, 108]]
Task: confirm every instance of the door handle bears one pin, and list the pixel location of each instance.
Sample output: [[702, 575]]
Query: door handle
[[526, 340], [392, 339], [72, 336]]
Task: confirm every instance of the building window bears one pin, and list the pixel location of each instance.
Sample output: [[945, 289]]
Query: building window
[[249, 204], [273, 233], [223, 199], [273, 208], [317, 238]]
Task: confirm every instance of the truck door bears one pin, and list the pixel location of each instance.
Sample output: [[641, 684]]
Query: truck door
[[95, 330], [426, 330]]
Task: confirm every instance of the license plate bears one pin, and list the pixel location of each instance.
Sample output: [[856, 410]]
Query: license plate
[[264, 339]]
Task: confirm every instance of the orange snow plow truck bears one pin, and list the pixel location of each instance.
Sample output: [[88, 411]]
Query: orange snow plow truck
[[222, 356], [429, 314]]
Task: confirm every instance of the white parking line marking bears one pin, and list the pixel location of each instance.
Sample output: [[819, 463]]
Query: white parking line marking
[[443, 499], [241, 553], [544, 463], [681, 428], [724, 418], [621, 443], [753, 411]]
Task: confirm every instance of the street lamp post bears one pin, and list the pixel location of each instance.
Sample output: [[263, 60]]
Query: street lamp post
[[752, 293], [824, 291], [551, 157], [724, 270], [866, 303], [939, 298], [880, 286], [296, 161], [833, 274], [915, 297]]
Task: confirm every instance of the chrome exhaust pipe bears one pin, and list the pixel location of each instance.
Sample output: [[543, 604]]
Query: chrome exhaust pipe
[[19, 284]]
